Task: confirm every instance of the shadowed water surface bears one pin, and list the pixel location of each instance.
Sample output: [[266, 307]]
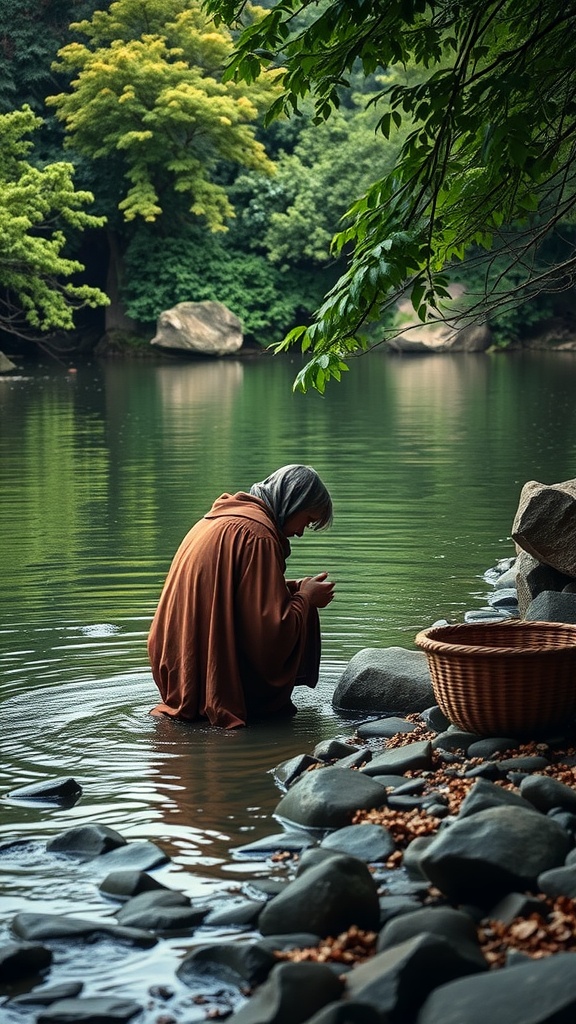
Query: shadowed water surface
[[102, 472]]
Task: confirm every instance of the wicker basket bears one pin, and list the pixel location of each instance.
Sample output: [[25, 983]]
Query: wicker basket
[[515, 678]]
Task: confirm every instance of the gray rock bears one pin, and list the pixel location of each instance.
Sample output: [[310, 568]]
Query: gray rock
[[454, 739], [533, 577], [161, 911], [488, 615], [485, 794], [385, 680], [521, 763], [456, 927], [59, 926], [98, 1010], [327, 798], [239, 963], [48, 994], [535, 992], [516, 904], [504, 597], [565, 819], [141, 855], [288, 771], [394, 906], [507, 578], [545, 793], [279, 842], [293, 940], [49, 791], [329, 750], [385, 727], [291, 995], [123, 885], [545, 524], [370, 843], [317, 855], [22, 960], [552, 606], [482, 856], [352, 1011], [86, 841], [411, 860], [397, 981], [559, 882], [237, 915], [6, 364], [361, 757], [207, 328], [434, 718], [490, 745], [326, 899], [411, 757]]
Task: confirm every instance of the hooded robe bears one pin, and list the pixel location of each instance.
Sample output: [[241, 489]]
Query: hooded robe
[[231, 637]]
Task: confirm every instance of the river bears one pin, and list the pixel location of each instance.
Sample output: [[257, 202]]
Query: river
[[103, 468]]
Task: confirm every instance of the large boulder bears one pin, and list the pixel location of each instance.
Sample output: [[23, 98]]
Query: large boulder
[[545, 524], [385, 680], [439, 335], [200, 328]]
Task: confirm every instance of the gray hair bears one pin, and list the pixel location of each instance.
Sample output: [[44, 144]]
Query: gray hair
[[293, 489]]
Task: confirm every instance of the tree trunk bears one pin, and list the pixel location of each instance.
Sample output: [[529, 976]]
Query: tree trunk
[[116, 318]]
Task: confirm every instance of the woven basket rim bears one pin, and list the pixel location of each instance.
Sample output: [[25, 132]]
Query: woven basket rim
[[432, 640]]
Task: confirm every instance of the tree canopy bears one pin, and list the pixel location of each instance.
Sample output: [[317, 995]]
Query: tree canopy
[[146, 91], [487, 164], [37, 290]]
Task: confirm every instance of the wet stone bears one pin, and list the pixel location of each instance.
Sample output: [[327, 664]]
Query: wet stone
[[123, 885], [329, 750], [85, 842], [241, 915], [98, 1010], [60, 926], [370, 843], [292, 992], [22, 960], [48, 994], [384, 727], [279, 842], [49, 791], [396, 761], [141, 855]]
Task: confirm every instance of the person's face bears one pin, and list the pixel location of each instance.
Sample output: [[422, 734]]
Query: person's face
[[296, 524]]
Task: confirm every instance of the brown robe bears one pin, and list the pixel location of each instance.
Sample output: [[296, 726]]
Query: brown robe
[[231, 637]]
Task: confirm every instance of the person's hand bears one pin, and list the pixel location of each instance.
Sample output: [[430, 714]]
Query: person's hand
[[318, 589]]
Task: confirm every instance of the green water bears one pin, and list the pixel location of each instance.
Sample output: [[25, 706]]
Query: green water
[[102, 472]]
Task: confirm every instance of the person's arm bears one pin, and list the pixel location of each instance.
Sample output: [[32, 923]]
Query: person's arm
[[272, 618]]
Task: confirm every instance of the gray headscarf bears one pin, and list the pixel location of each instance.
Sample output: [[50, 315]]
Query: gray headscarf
[[293, 489]]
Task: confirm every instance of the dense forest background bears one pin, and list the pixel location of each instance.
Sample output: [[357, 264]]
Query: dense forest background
[[194, 197]]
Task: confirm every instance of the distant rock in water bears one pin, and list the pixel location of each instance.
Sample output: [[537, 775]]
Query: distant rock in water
[[199, 328], [6, 364]]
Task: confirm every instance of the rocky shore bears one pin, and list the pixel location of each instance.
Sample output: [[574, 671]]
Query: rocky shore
[[417, 874]]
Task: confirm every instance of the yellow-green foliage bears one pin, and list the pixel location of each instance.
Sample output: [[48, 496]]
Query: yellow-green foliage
[[36, 206], [147, 85]]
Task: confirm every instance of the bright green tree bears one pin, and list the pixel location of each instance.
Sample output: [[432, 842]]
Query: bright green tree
[[38, 206], [147, 105], [492, 131]]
